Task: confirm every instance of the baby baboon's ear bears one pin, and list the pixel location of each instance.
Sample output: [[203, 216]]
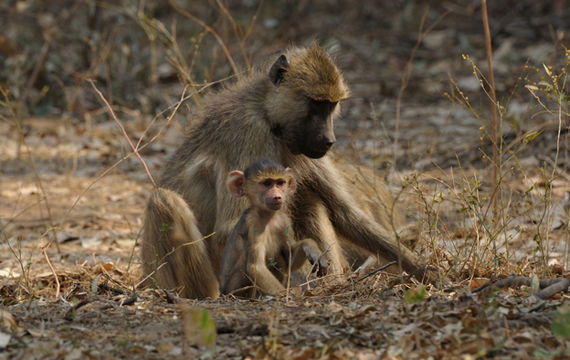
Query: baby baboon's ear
[[278, 69], [236, 183], [291, 183]]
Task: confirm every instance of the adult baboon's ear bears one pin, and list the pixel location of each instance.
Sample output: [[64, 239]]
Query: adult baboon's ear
[[278, 69]]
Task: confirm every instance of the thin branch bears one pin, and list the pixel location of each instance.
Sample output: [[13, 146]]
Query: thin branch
[[549, 287], [408, 73], [253, 19], [495, 124], [376, 271], [184, 12], [150, 141], [149, 275], [238, 32], [135, 150], [57, 285]]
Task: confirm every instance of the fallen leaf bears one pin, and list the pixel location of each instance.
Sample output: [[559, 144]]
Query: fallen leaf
[[8, 321], [91, 242], [477, 282], [4, 339]]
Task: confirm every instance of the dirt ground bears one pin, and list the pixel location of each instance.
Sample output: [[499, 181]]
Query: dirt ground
[[72, 193]]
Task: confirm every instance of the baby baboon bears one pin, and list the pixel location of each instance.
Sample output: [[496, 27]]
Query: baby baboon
[[283, 112], [261, 250]]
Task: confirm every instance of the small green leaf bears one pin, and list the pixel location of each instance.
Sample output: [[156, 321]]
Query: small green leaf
[[546, 354], [414, 296], [561, 322], [546, 84], [199, 327], [165, 228], [531, 136]]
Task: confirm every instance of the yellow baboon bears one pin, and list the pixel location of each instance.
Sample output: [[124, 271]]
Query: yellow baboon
[[261, 252], [283, 112]]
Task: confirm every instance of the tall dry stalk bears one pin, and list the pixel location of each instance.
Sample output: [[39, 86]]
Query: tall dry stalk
[[495, 119], [408, 73]]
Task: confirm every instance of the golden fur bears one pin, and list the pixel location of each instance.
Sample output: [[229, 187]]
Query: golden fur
[[314, 74]]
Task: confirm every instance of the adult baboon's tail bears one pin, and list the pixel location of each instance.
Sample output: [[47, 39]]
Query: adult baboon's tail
[[173, 249]]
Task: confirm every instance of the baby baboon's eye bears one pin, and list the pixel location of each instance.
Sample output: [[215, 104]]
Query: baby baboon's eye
[[280, 182], [267, 182]]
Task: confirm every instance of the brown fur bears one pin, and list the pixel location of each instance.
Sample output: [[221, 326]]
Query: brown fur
[[258, 117], [313, 74], [261, 252]]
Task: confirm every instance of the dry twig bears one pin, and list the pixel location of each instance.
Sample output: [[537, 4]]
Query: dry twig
[[549, 287], [135, 150], [211, 30], [495, 124]]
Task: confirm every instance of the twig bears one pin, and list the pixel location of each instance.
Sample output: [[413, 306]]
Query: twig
[[376, 271], [288, 288], [171, 299], [14, 216], [253, 19], [149, 275], [57, 286], [495, 124], [70, 314], [208, 28], [129, 301], [233, 292], [150, 141], [22, 141], [44, 193], [118, 162], [48, 38], [135, 150], [399, 280], [111, 289], [237, 32], [408, 73], [549, 287], [266, 350], [558, 285]]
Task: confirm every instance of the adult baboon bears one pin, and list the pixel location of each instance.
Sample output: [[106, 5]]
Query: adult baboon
[[284, 112]]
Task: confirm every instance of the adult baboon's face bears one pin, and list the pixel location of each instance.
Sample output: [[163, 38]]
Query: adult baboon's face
[[308, 130], [304, 123], [317, 129]]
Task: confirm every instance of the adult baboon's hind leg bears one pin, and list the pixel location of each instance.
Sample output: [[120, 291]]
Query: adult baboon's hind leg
[[173, 249]]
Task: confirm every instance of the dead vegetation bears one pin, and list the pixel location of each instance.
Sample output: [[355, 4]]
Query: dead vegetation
[[73, 190]]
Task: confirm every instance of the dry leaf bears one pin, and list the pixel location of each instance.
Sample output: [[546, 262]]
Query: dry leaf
[[4, 339], [477, 282]]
